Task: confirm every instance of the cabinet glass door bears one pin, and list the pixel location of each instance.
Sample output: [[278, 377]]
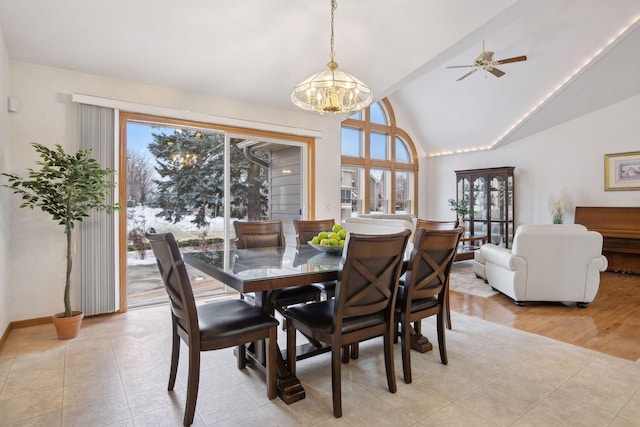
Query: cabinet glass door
[[511, 223], [479, 206], [498, 210], [464, 192]]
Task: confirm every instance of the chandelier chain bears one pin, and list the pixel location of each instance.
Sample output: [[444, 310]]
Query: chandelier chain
[[333, 9], [332, 90]]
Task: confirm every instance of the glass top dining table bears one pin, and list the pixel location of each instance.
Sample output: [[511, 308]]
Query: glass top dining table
[[267, 269], [265, 272]]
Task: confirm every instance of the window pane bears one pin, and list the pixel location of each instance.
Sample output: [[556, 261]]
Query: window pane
[[402, 154], [169, 175], [404, 193], [350, 194], [379, 187], [378, 146], [377, 114], [351, 145], [357, 115]]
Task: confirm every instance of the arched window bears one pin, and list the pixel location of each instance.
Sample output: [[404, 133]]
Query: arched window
[[379, 164]]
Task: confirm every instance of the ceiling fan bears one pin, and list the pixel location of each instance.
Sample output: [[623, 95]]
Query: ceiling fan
[[485, 61]]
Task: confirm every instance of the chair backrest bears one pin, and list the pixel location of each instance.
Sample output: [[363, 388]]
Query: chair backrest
[[258, 234], [176, 280], [430, 264], [434, 225], [368, 276], [308, 229]]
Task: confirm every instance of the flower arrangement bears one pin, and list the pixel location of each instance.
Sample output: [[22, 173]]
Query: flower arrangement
[[558, 207]]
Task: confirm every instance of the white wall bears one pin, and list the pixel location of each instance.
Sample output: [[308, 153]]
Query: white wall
[[47, 116], [4, 192], [567, 158]]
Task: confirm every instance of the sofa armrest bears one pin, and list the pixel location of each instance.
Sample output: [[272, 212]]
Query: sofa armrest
[[502, 257], [600, 263]]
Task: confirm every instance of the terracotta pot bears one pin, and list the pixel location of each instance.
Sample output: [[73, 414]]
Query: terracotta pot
[[68, 327]]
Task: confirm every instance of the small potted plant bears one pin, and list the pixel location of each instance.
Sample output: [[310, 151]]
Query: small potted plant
[[461, 208], [68, 187]]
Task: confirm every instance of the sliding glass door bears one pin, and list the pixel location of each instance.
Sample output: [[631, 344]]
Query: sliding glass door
[[177, 180]]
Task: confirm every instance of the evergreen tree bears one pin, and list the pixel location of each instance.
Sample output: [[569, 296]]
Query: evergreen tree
[[191, 168]]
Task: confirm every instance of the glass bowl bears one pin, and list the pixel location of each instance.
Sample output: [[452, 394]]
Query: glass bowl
[[334, 250]]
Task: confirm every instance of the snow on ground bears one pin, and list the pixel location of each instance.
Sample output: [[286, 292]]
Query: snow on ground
[[144, 217]]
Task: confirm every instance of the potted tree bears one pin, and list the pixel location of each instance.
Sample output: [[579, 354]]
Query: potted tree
[[461, 208], [68, 187]]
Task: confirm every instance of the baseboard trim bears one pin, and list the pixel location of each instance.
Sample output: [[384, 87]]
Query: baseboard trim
[[5, 335], [30, 322], [23, 324]]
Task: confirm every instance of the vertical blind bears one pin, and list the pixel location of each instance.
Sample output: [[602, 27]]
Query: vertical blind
[[97, 233]]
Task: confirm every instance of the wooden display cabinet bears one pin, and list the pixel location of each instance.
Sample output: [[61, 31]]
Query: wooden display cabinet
[[491, 194]]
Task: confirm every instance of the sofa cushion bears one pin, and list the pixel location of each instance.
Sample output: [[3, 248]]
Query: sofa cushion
[[374, 225]]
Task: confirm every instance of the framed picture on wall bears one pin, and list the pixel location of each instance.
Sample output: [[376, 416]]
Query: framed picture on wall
[[622, 171]]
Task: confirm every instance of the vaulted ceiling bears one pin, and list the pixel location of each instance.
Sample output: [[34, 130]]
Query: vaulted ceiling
[[582, 55]]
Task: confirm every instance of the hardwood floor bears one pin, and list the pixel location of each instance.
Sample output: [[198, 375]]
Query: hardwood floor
[[610, 324]]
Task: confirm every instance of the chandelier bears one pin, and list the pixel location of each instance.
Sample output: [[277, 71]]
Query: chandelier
[[332, 91]]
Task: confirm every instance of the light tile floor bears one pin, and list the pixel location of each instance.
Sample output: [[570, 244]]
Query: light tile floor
[[115, 374]]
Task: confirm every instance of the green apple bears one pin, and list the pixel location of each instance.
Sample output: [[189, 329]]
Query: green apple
[[336, 228], [323, 235], [324, 242], [315, 240]]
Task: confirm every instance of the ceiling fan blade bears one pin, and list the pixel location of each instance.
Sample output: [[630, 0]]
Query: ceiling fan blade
[[468, 74], [459, 66], [508, 60], [485, 56], [495, 72]]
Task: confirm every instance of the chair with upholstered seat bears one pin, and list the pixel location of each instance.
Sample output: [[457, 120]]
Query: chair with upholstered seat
[[260, 234], [426, 287], [209, 326], [430, 224], [363, 306], [307, 230]]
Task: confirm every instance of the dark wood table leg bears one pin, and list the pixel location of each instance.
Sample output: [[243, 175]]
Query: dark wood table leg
[[289, 387], [419, 342]]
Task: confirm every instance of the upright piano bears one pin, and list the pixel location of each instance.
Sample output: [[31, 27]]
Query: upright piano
[[620, 229]]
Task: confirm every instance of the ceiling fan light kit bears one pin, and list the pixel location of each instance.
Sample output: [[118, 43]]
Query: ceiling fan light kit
[[485, 62], [331, 90]]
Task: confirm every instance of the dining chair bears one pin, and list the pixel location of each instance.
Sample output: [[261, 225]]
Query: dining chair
[[363, 306], [430, 224], [425, 289], [307, 230], [260, 234], [434, 225], [209, 326]]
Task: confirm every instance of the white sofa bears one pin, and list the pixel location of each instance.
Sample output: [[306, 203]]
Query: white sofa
[[552, 262], [379, 223]]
